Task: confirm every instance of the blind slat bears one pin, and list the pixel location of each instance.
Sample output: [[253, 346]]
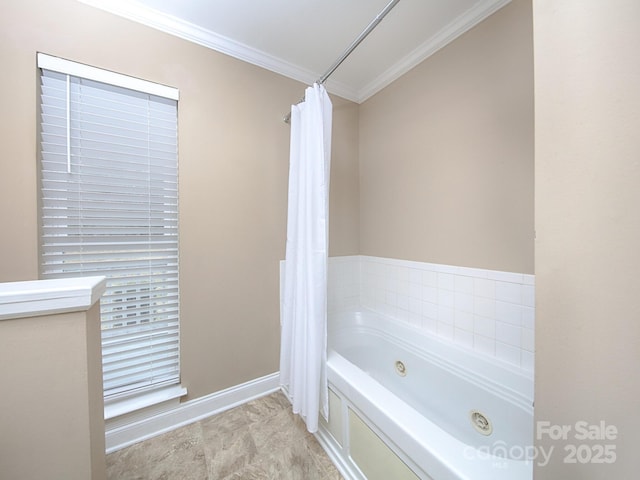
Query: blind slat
[[125, 367]]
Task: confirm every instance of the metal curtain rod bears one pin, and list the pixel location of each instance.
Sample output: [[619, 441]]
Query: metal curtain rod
[[374, 23]]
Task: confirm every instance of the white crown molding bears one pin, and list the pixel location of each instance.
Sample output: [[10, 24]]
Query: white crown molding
[[145, 15], [166, 23], [341, 89], [449, 33]]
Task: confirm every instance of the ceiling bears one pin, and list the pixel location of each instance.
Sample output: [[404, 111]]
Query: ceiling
[[301, 39]]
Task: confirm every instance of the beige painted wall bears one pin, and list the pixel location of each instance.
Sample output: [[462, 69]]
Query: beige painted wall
[[233, 176], [587, 78], [51, 407], [446, 153]]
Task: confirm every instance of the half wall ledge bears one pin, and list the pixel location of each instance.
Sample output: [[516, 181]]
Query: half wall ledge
[[49, 297], [52, 403]]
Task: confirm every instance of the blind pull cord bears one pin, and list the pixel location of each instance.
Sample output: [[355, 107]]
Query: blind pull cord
[[68, 125]]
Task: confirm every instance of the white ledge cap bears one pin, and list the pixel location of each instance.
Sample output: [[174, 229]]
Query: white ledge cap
[[46, 297]]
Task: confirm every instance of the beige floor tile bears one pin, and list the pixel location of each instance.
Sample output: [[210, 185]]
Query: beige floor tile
[[177, 454], [261, 439]]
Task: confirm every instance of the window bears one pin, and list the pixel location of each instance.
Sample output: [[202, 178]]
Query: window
[[109, 206]]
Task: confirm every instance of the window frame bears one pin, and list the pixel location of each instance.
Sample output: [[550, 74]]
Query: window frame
[[127, 401]]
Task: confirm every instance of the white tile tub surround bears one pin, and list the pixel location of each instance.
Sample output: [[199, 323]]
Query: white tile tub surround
[[488, 311]]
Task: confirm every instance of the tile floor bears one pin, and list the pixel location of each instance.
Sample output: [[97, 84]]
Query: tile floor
[[261, 439]]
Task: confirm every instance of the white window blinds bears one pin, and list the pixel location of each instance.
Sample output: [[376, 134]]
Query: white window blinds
[[109, 206]]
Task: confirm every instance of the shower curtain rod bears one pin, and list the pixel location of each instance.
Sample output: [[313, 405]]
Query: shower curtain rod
[[350, 48]]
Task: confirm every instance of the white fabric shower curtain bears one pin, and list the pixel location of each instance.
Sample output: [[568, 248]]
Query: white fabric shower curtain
[[303, 350]]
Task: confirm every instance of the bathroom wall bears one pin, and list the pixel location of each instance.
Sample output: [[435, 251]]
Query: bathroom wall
[[446, 153], [233, 176], [587, 78]]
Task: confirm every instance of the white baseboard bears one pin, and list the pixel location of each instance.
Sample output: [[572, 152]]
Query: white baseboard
[[189, 412]]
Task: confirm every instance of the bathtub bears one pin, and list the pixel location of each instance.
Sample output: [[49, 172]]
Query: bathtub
[[406, 405]]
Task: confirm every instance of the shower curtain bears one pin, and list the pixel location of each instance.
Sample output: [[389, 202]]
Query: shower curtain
[[303, 350]]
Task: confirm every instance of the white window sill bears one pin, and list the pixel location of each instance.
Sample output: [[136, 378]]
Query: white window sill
[[123, 406]]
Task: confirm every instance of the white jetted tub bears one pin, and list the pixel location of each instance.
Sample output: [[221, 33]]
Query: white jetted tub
[[406, 405]]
